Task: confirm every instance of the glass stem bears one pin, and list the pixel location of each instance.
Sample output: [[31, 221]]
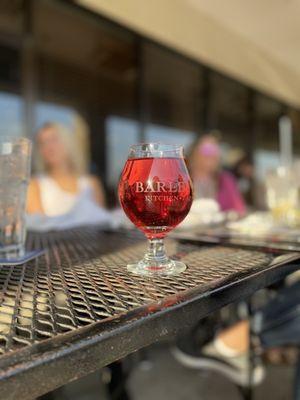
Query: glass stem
[[156, 253]]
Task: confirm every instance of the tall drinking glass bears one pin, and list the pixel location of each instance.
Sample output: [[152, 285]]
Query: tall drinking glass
[[155, 193], [15, 158], [282, 195]]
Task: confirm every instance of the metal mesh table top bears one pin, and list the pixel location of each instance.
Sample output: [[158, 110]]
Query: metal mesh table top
[[82, 279], [76, 308]]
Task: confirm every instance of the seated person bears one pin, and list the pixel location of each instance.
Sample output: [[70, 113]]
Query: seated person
[[208, 178], [276, 324], [60, 182]]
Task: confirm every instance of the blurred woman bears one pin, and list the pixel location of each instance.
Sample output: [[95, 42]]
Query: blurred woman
[[208, 178], [62, 180]]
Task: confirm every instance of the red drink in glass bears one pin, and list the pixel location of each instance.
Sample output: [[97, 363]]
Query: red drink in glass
[[155, 193]]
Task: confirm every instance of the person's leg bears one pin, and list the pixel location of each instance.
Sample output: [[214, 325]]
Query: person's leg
[[277, 324], [228, 354], [234, 340]]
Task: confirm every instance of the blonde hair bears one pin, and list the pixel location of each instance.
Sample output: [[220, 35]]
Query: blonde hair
[[71, 142]]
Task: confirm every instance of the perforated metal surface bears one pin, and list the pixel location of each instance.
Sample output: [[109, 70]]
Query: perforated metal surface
[[82, 279]]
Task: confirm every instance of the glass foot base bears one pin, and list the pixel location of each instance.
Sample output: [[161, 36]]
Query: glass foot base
[[172, 267], [12, 252]]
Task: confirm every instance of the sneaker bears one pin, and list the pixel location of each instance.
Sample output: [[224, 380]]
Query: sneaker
[[236, 367]]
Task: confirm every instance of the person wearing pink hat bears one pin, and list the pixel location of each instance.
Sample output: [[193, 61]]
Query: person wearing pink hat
[[208, 178]]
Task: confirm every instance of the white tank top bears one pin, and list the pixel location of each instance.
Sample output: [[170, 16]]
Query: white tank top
[[56, 201]]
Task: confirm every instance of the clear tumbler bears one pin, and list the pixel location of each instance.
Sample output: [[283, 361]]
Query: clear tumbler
[[15, 157]]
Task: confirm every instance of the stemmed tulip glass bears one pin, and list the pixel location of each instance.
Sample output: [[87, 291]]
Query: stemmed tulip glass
[[155, 193]]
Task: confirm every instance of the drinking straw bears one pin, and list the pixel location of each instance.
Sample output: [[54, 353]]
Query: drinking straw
[[285, 141]]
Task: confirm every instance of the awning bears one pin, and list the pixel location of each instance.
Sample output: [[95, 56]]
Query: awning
[[256, 42]]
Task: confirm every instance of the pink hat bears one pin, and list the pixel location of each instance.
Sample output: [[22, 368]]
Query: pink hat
[[208, 148]]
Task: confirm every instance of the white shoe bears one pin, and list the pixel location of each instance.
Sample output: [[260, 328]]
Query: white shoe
[[236, 367]]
